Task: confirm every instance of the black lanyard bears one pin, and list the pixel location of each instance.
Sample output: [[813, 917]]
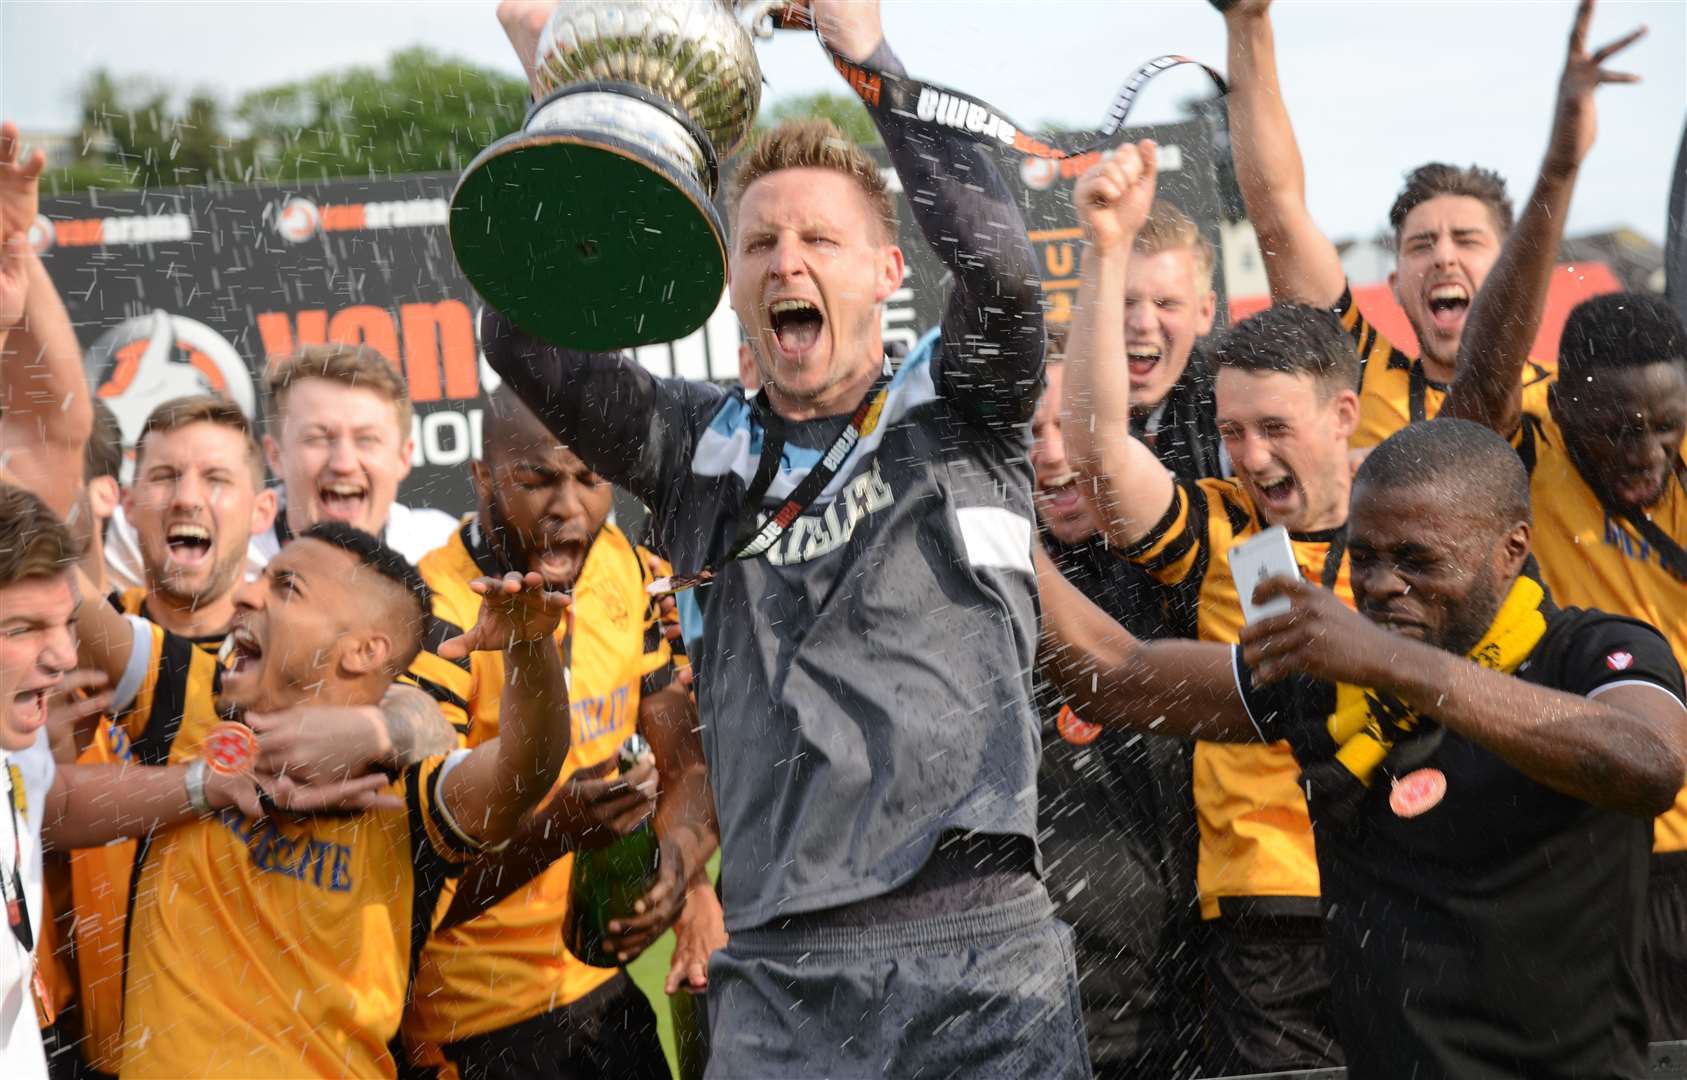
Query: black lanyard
[[1333, 558], [756, 534], [17, 904]]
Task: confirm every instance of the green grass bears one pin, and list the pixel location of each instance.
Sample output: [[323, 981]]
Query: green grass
[[650, 971]]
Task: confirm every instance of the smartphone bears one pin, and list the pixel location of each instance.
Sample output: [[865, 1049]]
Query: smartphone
[[1267, 555]]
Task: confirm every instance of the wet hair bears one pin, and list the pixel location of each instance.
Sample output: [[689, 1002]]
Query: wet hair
[[1431, 181], [178, 413], [1472, 468], [371, 552], [1292, 339], [103, 455], [1170, 229], [357, 366], [1620, 330], [817, 144], [34, 543]]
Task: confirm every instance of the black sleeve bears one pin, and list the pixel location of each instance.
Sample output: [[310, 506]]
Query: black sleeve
[[1294, 708], [1606, 649], [992, 332], [632, 428]]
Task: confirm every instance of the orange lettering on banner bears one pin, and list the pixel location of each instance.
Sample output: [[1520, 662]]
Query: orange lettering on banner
[[365, 324], [1059, 259], [343, 217], [276, 328], [85, 233], [439, 336], [129, 362]]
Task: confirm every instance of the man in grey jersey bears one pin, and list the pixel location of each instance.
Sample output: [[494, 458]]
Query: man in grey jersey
[[865, 680]]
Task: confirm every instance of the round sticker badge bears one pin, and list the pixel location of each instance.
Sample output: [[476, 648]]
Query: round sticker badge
[[1417, 792], [1074, 730], [231, 748]]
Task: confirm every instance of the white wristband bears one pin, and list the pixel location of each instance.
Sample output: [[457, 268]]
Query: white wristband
[[194, 781]]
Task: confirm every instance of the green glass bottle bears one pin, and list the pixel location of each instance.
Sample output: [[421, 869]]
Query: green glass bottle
[[607, 882]]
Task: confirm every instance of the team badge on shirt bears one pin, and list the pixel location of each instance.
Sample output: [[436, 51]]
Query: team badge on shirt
[[1619, 660], [1417, 792]]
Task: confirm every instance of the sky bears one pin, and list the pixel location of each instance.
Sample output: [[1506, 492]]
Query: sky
[[1374, 87]]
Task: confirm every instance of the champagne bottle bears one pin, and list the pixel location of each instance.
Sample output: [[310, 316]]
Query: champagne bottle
[[607, 882]]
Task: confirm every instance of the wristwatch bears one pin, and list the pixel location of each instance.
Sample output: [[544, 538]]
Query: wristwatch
[[194, 781]]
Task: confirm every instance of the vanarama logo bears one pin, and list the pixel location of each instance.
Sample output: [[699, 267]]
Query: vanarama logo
[[148, 359], [41, 234], [950, 110], [117, 231], [298, 219]]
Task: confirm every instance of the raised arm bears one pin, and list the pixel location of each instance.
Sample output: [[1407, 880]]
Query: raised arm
[[1506, 313], [992, 330], [495, 785], [1300, 262], [46, 411], [1131, 488], [1182, 688], [1615, 737]]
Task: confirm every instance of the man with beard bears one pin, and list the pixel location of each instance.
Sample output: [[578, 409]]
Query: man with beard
[[1605, 464], [498, 994], [1286, 409], [1118, 828], [265, 944], [339, 437], [197, 499], [1448, 225], [864, 671], [1482, 767]]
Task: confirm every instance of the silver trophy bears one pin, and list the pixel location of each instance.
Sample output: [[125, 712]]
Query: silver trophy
[[595, 226]]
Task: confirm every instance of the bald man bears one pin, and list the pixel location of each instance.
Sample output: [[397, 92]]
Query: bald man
[[1482, 766]]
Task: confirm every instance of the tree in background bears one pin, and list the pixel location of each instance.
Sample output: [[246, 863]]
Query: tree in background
[[844, 110]]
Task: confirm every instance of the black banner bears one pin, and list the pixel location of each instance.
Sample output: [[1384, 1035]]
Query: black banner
[[198, 289]]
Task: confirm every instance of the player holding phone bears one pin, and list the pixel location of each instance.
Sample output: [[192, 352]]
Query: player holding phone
[[1286, 409]]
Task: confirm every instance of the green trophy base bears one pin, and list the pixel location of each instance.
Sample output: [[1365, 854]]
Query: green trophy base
[[587, 241]]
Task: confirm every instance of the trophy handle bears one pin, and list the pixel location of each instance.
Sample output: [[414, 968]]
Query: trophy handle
[[761, 17]]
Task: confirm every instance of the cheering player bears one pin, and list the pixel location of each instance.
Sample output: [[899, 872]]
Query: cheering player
[[498, 993], [864, 674], [1448, 224], [1482, 766], [1606, 461], [1286, 409]]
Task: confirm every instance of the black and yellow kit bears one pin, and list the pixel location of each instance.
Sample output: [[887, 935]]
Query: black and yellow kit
[[276, 947], [1594, 557], [1393, 389], [101, 877], [1256, 838], [510, 964]]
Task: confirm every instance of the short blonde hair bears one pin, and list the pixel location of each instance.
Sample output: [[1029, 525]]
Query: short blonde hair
[[1168, 229], [178, 413], [356, 366], [817, 144], [34, 543]]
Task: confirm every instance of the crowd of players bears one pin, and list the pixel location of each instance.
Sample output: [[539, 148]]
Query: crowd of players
[[1428, 822]]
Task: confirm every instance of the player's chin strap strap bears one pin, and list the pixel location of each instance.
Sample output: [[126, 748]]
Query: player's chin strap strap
[[1376, 731]]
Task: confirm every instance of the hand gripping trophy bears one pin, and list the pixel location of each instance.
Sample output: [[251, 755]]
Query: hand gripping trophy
[[594, 226]]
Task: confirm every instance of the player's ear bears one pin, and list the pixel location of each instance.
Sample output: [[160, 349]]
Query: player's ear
[[891, 269], [1346, 405], [1512, 551], [367, 653]]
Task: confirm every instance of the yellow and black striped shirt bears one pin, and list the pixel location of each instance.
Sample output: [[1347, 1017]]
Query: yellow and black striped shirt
[[1394, 390], [1256, 834]]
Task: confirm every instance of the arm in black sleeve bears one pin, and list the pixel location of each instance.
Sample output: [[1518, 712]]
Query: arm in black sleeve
[[632, 428], [992, 333]]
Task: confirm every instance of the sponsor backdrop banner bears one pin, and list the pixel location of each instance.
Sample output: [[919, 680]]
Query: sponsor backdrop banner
[[189, 290]]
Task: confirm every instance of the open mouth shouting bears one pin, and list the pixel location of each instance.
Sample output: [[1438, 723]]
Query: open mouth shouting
[[1639, 488], [244, 653], [1142, 360], [29, 707], [188, 543], [1279, 497], [1448, 303], [796, 324], [343, 501], [558, 561]]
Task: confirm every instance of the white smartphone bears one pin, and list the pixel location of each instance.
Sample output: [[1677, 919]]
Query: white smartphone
[[1267, 555]]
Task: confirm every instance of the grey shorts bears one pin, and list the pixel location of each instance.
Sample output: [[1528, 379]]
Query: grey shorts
[[991, 992]]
